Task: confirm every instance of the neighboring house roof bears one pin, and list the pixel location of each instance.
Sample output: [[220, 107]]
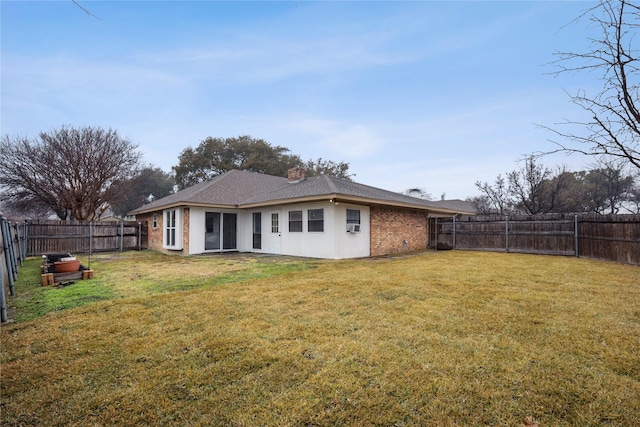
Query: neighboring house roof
[[242, 189]]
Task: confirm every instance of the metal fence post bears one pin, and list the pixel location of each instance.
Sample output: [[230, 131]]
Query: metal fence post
[[506, 228], [575, 233], [12, 252], [436, 233], [6, 240], [17, 228], [3, 300]]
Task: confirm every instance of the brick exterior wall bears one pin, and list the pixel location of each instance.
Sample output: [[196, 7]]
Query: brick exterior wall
[[157, 234], [154, 234], [395, 230], [185, 231]]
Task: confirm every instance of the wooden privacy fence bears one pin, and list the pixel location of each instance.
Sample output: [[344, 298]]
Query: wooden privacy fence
[[607, 237], [54, 237], [13, 254]]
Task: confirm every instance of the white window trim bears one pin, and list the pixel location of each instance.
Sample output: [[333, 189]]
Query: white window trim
[[178, 229]]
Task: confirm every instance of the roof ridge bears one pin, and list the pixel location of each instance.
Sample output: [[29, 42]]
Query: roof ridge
[[210, 181], [329, 180]]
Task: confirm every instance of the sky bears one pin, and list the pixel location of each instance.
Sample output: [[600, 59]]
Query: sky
[[429, 94]]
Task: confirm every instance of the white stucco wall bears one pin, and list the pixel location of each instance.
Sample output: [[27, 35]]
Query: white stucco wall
[[334, 242]]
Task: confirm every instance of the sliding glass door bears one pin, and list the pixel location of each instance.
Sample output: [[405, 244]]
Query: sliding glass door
[[220, 231]]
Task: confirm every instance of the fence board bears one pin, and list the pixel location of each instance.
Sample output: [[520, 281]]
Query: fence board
[[607, 237], [48, 237]]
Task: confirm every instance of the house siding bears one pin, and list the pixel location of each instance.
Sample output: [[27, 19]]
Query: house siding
[[395, 230]]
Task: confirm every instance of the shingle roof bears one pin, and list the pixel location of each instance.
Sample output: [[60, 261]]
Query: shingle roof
[[248, 189]]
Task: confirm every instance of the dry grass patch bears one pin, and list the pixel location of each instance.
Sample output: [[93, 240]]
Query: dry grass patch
[[446, 338]]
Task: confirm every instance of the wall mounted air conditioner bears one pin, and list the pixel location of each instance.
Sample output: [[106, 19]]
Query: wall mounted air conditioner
[[353, 228]]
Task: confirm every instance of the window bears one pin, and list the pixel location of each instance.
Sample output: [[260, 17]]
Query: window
[[172, 229], [154, 221], [353, 216], [295, 221], [353, 221], [275, 222], [315, 220]]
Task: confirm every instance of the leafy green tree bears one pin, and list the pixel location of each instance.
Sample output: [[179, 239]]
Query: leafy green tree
[[149, 184], [215, 156], [610, 186], [576, 194], [328, 167], [634, 200], [72, 171]]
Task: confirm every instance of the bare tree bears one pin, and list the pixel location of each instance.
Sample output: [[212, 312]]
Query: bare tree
[[481, 204], [534, 188], [614, 125], [497, 195], [70, 170]]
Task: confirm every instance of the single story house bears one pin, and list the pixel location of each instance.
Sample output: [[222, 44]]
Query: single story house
[[319, 217]]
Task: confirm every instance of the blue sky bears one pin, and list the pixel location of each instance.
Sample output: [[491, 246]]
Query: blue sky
[[427, 94]]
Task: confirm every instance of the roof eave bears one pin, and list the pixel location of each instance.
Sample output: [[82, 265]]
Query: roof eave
[[335, 198], [145, 210], [340, 198]]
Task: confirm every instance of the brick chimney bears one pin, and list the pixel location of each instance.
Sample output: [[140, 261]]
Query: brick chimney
[[297, 174]]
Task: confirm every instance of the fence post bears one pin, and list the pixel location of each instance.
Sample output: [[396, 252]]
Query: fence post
[[25, 237], [506, 229], [6, 240], [90, 243], [121, 235], [139, 236], [454, 232], [575, 233], [3, 300], [12, 252], [436, 233], [17, 228]]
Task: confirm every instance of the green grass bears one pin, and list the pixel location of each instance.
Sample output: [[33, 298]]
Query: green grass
[[440, 338], [129, 274]]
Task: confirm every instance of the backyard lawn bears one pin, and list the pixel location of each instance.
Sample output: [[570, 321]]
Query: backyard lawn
[[437, 338]]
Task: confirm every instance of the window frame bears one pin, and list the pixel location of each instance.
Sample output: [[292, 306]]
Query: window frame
[[353, 220], [315, 220], [353, 216], [256, 220], [172, 229], [295, 221]]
